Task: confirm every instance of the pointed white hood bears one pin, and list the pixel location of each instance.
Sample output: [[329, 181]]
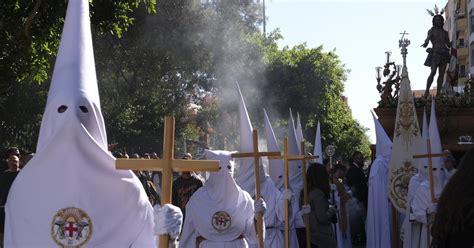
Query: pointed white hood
[[275, 166], [318, 148], [294, 170], [299, 129], [74, 82], [245, 177], [221, 186], [422, 149], [438, 168], [72, 169], [383, 142]]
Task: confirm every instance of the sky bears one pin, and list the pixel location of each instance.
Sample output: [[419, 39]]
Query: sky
[[360, 31]]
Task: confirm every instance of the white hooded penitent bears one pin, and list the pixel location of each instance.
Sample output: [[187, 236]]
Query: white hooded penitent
[[220, 212], [318, 149], [70, 193], [275, 166], [378, 207], [245, 177], [438, 168]]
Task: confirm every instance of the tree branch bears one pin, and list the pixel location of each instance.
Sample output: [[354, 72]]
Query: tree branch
[[31, 16]]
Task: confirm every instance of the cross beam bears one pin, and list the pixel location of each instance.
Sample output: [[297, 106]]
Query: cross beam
[[430, 157], [167, 165], [257, 155]]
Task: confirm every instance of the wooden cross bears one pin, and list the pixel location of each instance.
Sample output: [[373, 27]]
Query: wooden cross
[[430, 156], [257, 155], [167, 165], [304, 159], [286, 158]]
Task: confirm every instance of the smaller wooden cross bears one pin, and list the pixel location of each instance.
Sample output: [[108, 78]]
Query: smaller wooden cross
[[304, 159], [167, 165], [286, 158], [430, 156], [257, 155]]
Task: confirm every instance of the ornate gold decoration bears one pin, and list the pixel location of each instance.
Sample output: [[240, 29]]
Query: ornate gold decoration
[[399, 184]]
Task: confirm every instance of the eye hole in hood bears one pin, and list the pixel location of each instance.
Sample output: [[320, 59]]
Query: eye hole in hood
[[62, 109], [84, 109]]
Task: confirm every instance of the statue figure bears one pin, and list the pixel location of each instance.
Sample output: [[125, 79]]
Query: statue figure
[[438, 55]]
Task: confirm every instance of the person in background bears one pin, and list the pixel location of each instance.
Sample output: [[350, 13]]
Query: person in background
[[449, 164], [322, 213], [6, 180], [453, 225], [10, 151], [184, 187], [357, 179]]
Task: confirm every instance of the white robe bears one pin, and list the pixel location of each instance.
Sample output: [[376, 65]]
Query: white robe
[[421, 203], [220, 213], [378, 207], [199, 212], [274, 215], [342, 242], [411, 230], [81, 175]]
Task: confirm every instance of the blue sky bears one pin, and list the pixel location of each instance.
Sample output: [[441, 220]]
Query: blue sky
[[361, 32]]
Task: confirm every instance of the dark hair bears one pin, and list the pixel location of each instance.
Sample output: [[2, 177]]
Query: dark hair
[[339, 167], [318, 178], [456, 204], [12, 151], [117, 154]]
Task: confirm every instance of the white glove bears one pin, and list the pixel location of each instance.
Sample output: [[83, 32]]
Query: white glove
[[260, 206], [287, 194], [432, 209], [305, 209], [168, 220]]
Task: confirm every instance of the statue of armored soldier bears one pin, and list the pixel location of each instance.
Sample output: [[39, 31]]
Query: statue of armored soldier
[[438, 55]]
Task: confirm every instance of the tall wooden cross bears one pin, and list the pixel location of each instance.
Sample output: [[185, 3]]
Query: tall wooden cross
[[304, 159], [286, 158], [430, 156], [167, 165], [257, 155]]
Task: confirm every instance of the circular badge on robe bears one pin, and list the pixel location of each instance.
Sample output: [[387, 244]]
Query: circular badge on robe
[[71, 227], [221, 221]]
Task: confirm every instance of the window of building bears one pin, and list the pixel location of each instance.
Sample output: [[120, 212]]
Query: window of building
[[462, 70], [472, 54], [461, 42], [472, 21]]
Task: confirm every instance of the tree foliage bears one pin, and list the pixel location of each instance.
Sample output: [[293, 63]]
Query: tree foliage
[[29, 40], [173, 57], [311, 82], [165, 63]]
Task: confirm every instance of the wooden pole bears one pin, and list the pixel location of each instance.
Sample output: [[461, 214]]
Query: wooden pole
[[166, 182], [430, 167], [395, 236], [305, 198], [256, 155], [257, 190], [286, 185]]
